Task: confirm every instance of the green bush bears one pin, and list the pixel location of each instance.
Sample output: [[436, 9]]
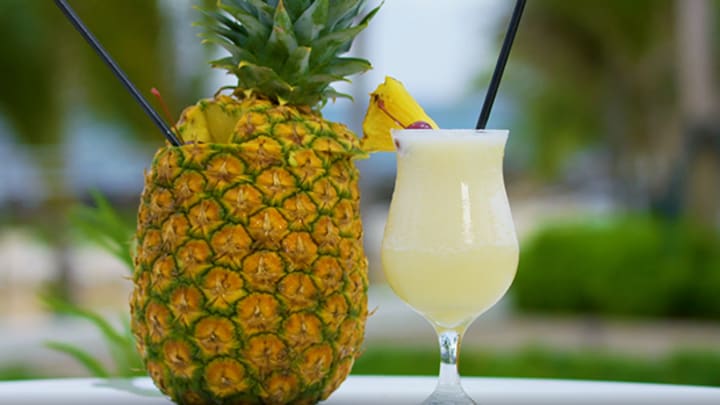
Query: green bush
[[18, 372], [623, 266], [682, 367]]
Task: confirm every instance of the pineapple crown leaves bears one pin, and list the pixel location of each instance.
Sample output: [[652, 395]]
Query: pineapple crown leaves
[[287, 50]]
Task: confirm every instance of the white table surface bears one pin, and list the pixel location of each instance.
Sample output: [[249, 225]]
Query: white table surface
[[377, 390]]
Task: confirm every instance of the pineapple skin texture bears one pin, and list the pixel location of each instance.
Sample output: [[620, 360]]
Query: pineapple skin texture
[[250, 275]]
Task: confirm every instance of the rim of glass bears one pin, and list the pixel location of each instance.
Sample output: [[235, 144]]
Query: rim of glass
[[487, 134]]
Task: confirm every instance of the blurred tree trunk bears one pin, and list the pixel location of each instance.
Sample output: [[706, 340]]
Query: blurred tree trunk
[[602, 78], [699, 105], [634, 80]]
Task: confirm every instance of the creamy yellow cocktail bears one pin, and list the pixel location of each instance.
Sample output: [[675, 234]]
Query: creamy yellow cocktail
[[450, 249]]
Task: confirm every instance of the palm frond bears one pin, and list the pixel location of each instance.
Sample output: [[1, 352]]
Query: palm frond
[[103, 226], [81, 356]]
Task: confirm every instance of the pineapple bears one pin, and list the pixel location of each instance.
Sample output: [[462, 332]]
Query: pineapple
[[251, 280], [391, 107]]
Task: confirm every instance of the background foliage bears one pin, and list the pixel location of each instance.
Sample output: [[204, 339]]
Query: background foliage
[[681, 367], [50, 73], [628, 266], [601, 87], [596, 94]]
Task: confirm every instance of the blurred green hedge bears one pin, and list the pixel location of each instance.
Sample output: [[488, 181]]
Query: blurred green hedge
[[632, 266], [18, 372], [678, 367]]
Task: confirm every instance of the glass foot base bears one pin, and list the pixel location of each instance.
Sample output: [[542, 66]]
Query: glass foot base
[[452, 396]]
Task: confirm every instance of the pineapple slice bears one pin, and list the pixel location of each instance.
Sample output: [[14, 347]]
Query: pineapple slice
[[391, 107], [210, 120], [194, 126], [222, 113]]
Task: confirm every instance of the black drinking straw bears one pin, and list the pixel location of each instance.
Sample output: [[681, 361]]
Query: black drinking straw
[[500, 66], [85, 32]]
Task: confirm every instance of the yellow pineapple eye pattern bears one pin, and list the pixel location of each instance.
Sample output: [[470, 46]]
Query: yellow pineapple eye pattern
[[251, 284]]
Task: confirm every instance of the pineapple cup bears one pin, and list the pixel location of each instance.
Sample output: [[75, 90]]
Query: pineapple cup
[[250, 276], [251, 281]]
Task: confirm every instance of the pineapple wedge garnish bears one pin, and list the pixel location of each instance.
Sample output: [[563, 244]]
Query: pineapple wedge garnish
[[391, 107]]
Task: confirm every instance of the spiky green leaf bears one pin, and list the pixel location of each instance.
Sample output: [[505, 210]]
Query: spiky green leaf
[[233, 6], [347, 66], [297, 7], [64, 307], [126, 359], [328, 46], [319, 81], [230, 29], [257, 31], [282, 40], [103, 226], [309, 25], [121, 343], [364, 22], [237, 54], [289, 50], [332, 94], [342, 12], [260, 9], [263, 79], [298, 64], [93, 366]]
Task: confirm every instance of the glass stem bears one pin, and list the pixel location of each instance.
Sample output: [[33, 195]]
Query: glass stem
[[449, 348], [448, 390]]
